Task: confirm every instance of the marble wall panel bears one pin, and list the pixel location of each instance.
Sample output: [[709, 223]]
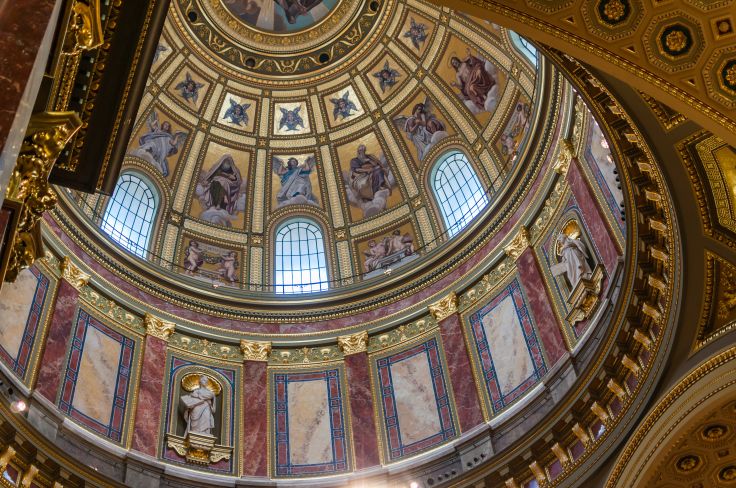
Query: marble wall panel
[[255, 418], [97, 377], [362, 411], [150, 397], [24, 308], [506, 350], [417, 412], [308, 429], [227, 414]]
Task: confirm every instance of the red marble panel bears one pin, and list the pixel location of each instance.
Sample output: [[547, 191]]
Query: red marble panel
[[541, 306], [255, 415], [150, 397], [57, 340], [365, 437], [594, 218], [458, 365], [22, 27]]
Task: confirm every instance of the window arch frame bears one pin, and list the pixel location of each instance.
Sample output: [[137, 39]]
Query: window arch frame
[[524, 47], [156, 197], [452, 229], [303, 286]]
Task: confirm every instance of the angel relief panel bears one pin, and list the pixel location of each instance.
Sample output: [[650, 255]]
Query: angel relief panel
[[290, 119], [422, 125], [385, 76], [159, 141], [238, 113], [415, 33], [294, 181], [475, 79], [342, 106], [220, 193], [211, 263], [387, 250], [370, 184]]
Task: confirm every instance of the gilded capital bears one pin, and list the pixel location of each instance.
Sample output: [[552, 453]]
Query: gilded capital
[[518, 244], [444, 308], [255, 350], [71, 273], [157, 327], [565, 155], [353, 344], [7, 456]]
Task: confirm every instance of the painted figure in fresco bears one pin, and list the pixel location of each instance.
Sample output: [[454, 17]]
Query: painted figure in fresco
[[343, 106], [160, 49], [263, 13], [189, 89], [228, 265], [476, 80], [291, 119], [388, 251], [386, 77], [237, 113], [296, 187], [573, 259], [417, 33], [369, 183], [221, 192], [517, 125], [422, 126], [194, 258], [199, 409], [159, 143]]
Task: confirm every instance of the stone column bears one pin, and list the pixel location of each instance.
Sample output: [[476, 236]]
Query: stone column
[[458, 362], [150, 391], [255, 407], [531, 279], [60, 329], [365, 437]]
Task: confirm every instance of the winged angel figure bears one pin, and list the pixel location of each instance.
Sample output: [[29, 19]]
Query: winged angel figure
[[156, 145], [295, 184], [343, 106], [291, 119], [422, 126]]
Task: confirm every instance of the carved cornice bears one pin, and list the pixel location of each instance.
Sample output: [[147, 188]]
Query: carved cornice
[[444, 308], [255, 350], [71, 273], [159, 328], [518, 244], [353, 344], [46, 136]]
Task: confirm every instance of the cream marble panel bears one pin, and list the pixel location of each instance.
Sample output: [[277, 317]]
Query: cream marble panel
[[259, 192], [333, 192], [428, 9], [265, 107], [98, 370], [416, 406], [256, 265], [432, 54], [319, 122], [15, 304], [310, 440], [507, 345], [180, 197], [425, 226]]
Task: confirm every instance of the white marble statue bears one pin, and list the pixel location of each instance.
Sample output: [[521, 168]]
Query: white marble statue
[[199, 409], [573, 262]]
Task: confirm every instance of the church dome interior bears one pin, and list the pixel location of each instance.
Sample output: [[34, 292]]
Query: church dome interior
[[369, 243]]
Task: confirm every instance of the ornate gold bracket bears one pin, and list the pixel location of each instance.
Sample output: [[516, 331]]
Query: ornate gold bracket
[[518, 244], [254, 350], [71, 273], [157, 327], [46, 136], [198, 448], [353, 344], [585, 297], [444, 308], [565, 155]]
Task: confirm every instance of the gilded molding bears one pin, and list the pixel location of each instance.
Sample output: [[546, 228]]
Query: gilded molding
[[255, 350], [565, 155], [353, 344], [7, 456], [71, 273], [518, 244], [445, 307], [157, 327], [46, 136]]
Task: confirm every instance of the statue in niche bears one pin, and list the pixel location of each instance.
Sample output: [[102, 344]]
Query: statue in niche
[[199, 406], [573, 258]]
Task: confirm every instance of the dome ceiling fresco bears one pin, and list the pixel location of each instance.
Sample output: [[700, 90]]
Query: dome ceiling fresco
[[237, 148]]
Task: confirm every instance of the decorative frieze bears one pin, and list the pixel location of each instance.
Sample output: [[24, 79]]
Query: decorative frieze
[[254, 350], [71, 273], [353, 344], [518, 244], [157, 327], [445, 307]]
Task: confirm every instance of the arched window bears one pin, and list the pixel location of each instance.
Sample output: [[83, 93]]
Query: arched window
[[524, 47], [129, 215], [301, 266], [458, 191]]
